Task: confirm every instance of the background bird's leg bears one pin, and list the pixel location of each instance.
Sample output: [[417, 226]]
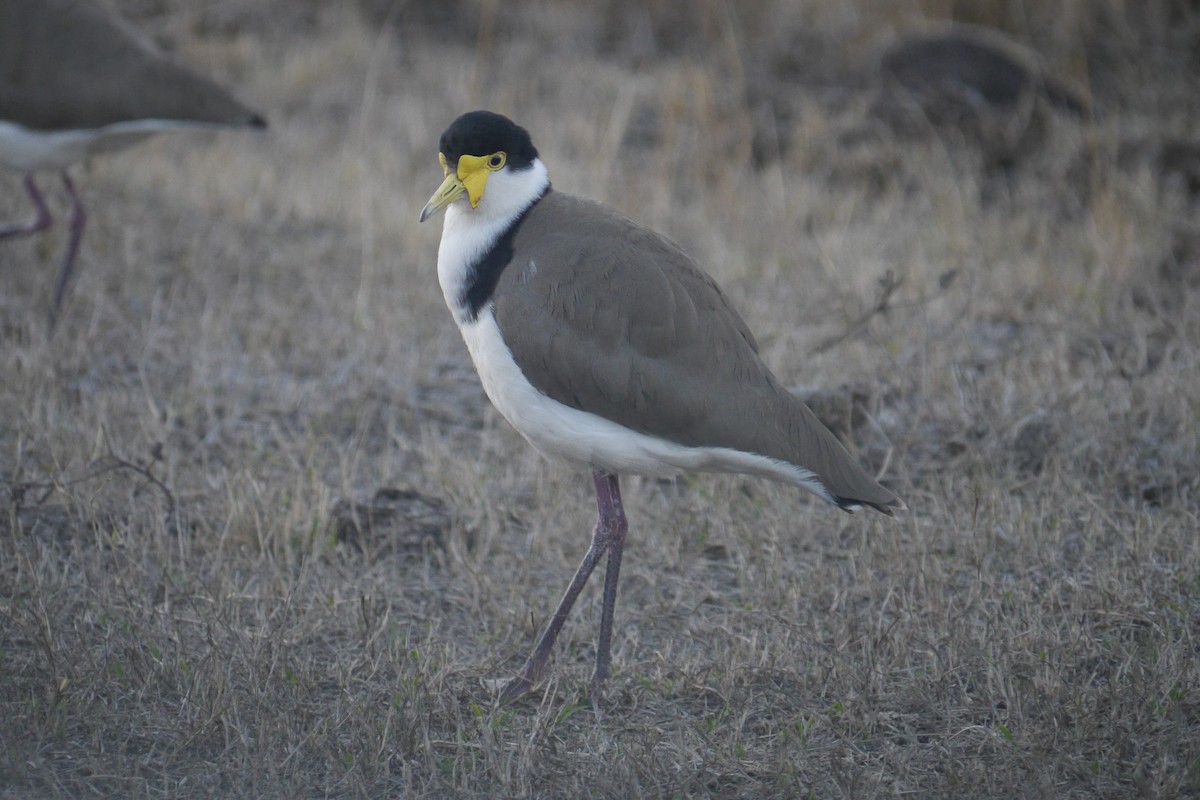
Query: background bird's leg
[[38, 223], [78, 218], [602, 537], [612, 519]]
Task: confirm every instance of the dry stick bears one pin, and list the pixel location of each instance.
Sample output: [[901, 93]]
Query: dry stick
[[109, 463], [888, 284]]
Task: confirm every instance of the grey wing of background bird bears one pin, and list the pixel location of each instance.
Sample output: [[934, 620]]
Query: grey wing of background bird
[[66, 64]]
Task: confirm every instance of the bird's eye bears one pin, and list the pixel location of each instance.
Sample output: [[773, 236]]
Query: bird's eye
[[496, 161]]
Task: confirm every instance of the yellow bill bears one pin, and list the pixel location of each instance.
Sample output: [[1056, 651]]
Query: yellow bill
[[470, 177]]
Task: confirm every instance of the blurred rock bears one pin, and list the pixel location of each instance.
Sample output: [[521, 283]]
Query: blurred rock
[[843, 410], [391, 521], [1175, 162], [975, 80], [1034, 441], [973, 68], [1181, 269]]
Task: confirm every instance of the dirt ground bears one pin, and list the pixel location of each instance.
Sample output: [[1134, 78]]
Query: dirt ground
[[261, 534]]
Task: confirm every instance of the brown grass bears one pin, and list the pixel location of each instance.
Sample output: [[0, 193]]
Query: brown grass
[[256, 343]]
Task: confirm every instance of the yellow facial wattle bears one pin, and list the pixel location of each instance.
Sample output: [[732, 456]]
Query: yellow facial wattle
[[470, 176]]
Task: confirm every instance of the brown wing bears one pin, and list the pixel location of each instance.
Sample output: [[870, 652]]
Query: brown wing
[[611, 318], [606, 317]]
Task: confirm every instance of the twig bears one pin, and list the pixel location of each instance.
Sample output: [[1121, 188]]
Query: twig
[[888, 284], [101, 466]]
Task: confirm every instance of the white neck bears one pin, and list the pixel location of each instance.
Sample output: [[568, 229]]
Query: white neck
[[468, 233]]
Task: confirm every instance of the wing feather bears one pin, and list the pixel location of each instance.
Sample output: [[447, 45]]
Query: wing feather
[[609, 317]]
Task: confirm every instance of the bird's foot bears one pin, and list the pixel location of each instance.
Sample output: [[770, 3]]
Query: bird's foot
[[597, 684], [521, 685], [517, 688]]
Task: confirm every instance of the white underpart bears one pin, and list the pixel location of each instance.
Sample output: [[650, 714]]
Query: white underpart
[[557, 430], [28, 150]]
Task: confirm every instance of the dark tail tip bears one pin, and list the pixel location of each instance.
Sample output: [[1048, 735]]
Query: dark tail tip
[[889, 508]]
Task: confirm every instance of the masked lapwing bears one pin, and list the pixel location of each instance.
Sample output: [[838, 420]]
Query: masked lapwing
[[604, 344], [76, 81]]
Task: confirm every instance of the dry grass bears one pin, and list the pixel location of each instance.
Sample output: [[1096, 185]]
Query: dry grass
[[256, 341]]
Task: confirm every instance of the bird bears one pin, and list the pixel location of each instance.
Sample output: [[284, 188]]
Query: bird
[[605, 345], [75, 81]]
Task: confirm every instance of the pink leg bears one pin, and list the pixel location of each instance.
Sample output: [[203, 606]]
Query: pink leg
[[78, 218], [38, 223], [608, 535], [612, 516]]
